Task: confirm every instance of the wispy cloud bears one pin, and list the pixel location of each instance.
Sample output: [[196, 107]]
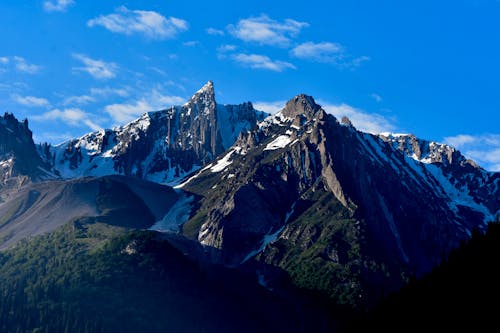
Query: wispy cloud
[[22, 65], [157, 70], [327, 52], [53, 137], [19, 64], [97, 68], [148, 23], [362, 120], [78, 100], [266, 31], [30, 101], [57, 5], [108, 91], [270, 107], [376, 97], [72, 117], [126, 112], [321, 52], [484, 149], [191, 43], [226, 48], [259, 61], [215, 32], [94, 95]]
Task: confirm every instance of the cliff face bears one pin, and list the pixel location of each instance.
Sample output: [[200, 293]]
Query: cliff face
[[307, 194], [160, 146], [19, 158]]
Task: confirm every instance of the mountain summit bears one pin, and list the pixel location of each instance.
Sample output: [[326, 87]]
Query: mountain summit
[[160, 146], [301, 105], [19, 158], [341, 212], [305, 193]]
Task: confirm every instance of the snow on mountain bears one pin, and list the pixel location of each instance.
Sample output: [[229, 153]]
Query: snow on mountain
[[302, 188], [161, 146]]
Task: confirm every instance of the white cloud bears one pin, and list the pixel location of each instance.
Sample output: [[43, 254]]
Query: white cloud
[[226, 48], [57, 6], [327, 52], [96, 94], [73, 117], [484, 149], [363, 121], [321, 52], [356, 62], [78, 100], [31, 101], [215, 32], [126, 112], [108, 91], [376, 97], [96, 68], [53, 137], [266, 31], [148, 23], [460, 140], [269, 107], [23, 66], [191, 43], [157, 70], [4, 60], [259, 61]]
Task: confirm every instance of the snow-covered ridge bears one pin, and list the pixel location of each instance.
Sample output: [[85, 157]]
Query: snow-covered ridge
[[161, 146], [458, 180]]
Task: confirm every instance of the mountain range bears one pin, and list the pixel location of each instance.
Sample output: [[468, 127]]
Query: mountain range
[[296, 196]]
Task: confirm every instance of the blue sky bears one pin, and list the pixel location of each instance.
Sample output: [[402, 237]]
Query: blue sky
[[431, 68]]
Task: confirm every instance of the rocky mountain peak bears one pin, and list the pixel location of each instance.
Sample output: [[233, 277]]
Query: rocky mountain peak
[[301, 105], [18, 154], [206, 95]]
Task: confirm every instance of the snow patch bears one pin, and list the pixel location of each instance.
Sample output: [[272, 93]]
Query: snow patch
[[280, 142], [222, 163], [176, 216], [268, 239]]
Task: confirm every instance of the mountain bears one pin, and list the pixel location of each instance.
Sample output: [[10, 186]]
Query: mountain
[[19, 158], [343, 212], [43, 207], [90, 276], [160, 146], [309, 209]]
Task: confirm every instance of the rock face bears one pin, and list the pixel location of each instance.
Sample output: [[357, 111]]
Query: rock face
[[342, 211], [19, 158], [160, 146], [345, 213]]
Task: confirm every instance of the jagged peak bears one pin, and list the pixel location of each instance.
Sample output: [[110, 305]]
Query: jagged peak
[[301, 105], [206, 91]]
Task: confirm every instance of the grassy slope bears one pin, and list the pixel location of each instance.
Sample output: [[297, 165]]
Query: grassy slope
[[93, 277]]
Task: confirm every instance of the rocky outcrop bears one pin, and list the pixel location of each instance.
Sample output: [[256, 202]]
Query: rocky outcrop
[[160, 146], [306, 193], [19, 158]]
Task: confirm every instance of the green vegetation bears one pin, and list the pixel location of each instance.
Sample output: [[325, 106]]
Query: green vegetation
[[322, 251], [92, 277], [191, 228]]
